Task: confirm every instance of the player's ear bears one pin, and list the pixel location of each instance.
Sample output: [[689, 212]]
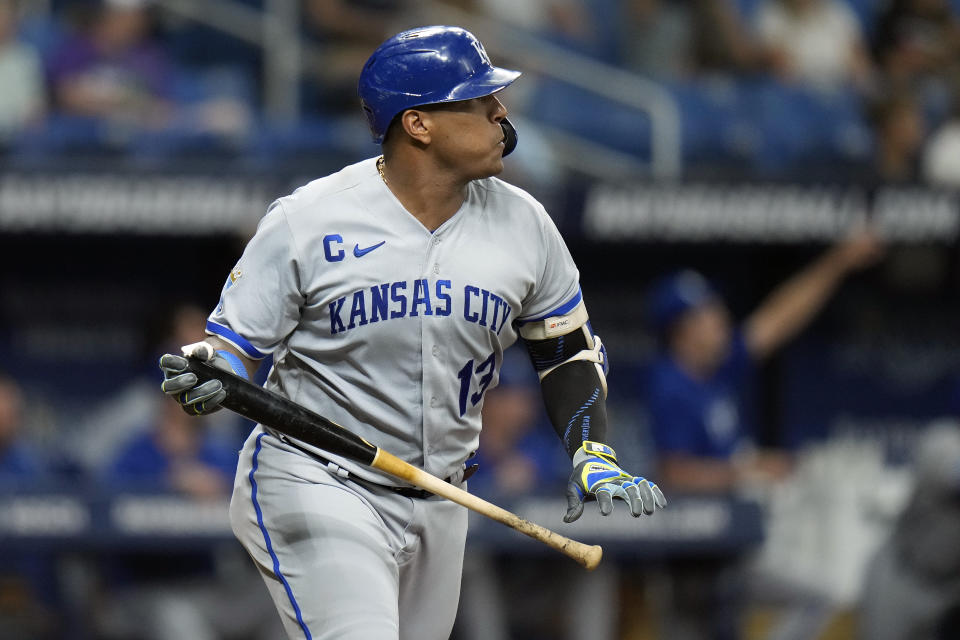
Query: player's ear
[[417, 125]]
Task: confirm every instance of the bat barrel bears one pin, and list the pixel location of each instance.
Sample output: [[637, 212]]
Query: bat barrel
[[286, 416], [586, 555]]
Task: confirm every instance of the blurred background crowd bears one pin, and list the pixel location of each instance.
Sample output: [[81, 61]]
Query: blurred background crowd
[[762, 197], [853, 89]]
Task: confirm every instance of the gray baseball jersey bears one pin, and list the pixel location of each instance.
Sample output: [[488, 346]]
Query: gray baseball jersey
[[388, 329], [395, 333]]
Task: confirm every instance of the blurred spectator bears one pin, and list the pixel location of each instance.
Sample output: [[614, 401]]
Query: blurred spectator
[[18, 463], [27, 582], [113, 69], [674, 38], [912, 588], [364, 23], [570, 23], [722, 42], [178, 455], [347, 31], [695, 387], [899, 125], [188, 594], [657, 38], [814, 42], [131, 410], [916, 39], [941, 156], [23, 99]]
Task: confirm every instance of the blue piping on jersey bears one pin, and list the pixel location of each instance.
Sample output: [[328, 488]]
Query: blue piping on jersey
[[567, 307], [266, 538], [235, 363], [586, 405], [237, 340]]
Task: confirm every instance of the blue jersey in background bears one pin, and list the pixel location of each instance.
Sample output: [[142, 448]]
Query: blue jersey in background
[[700, 417]]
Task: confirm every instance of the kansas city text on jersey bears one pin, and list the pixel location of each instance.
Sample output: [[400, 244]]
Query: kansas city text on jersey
[[406, 298]]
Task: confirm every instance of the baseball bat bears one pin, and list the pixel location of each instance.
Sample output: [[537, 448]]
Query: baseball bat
[[289, 418]]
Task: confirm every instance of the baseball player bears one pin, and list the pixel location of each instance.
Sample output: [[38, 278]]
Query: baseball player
[[386, 294], [695, 387]]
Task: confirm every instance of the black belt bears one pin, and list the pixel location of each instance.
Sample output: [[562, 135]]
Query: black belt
[[413, 492], [407, 492]]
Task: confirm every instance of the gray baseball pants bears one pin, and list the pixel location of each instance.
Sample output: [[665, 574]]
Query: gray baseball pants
[[346, 559]]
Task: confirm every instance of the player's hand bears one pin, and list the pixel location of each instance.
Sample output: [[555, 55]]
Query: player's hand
[[181, 383], [596, 475]]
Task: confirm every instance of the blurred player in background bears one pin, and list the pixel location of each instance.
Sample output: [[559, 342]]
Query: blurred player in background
[[694, 397], [387, 294], [696, 386]]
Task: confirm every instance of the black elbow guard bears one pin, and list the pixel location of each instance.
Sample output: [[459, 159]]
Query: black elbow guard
[[578, 345]]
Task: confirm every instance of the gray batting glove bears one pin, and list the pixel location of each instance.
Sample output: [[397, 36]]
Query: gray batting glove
[[597, 476], [181, 383]]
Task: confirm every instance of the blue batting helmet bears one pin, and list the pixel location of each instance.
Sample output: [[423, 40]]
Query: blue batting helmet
[[422, 66]]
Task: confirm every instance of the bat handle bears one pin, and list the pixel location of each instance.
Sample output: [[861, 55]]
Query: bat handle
[[586, 555]]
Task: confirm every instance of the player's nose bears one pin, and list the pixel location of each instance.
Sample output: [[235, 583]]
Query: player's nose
[[499, 111]]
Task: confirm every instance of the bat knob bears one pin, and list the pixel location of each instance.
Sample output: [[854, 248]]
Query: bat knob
[[201, 350], [592, 557]]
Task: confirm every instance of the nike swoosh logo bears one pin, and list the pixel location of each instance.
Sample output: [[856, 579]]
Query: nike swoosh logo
[[359, 253]]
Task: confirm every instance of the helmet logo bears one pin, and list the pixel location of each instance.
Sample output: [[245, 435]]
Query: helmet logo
[[481, 51]]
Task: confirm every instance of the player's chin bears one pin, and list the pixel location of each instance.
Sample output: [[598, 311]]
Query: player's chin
[[496, 162], [488, 170], [487, 165]]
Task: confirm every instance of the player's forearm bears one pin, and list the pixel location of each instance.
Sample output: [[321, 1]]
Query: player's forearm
[[576, 404], [219, 344], [793, 304]]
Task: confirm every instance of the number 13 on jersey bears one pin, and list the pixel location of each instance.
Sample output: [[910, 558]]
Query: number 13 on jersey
[[484, 375]]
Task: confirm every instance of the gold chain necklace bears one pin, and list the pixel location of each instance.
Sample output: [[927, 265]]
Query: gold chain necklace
[[380, 169]]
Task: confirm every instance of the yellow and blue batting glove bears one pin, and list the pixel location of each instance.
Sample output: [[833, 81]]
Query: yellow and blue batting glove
[[596, 475], [181, 383]]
